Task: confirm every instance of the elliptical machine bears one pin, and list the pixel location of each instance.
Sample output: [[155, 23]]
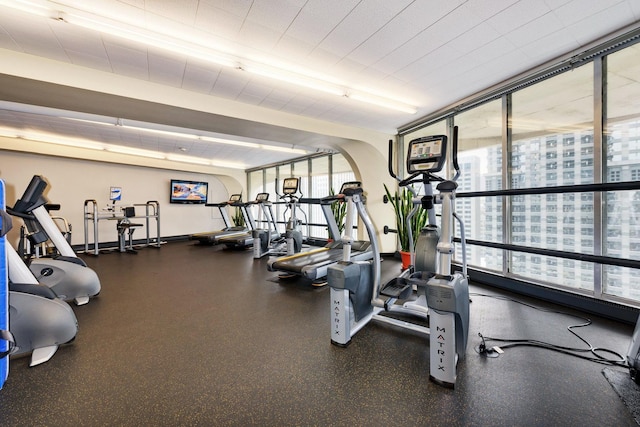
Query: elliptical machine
[[440, 296], [293, 230], [268, 242], [264, 238], [66, 274]]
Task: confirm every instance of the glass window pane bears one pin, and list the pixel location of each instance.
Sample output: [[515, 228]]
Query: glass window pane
[[617, 281], [301, 170], [319, 189], [552, 125], [480, 160], [342, 172], [255, 182], [269, 187], [557, 271], [622, 148], [552, 145]]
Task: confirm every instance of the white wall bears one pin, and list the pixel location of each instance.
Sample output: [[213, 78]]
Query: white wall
[[369, 163], [72, 181]]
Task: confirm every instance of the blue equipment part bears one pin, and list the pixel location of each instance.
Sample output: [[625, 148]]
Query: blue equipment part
[[4, 291]]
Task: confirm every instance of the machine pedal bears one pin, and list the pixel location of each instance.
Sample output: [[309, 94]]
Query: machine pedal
[[397, 288]]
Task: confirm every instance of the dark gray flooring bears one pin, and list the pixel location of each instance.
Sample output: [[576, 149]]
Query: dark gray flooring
[[188, 335]]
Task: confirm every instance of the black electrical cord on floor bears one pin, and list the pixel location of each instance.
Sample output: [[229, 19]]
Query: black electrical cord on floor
[[572, 351]]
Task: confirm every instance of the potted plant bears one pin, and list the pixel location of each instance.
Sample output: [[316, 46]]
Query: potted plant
[[339, 209], [402, 204], [238, 218]]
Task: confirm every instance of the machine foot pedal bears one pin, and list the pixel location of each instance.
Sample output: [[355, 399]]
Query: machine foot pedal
[[397, 288]]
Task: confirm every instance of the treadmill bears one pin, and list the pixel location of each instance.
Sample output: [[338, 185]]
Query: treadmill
[[246, 239], [314, 264], [209, 238]]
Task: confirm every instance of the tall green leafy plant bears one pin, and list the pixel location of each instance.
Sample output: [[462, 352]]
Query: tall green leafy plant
[[238, 218], [402, 204]]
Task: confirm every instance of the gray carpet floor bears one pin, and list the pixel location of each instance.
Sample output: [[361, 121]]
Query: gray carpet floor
[[201, 336]]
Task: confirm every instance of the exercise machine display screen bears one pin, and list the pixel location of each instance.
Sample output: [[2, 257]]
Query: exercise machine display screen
[[427, 154], [262, 197], [290, 186], [350, 185], [235, 198]]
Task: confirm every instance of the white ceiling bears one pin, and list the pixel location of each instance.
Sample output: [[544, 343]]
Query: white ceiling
[[428, 53]]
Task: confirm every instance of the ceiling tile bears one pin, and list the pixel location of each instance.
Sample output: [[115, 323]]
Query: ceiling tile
[[276, 16], [538, 28], [199, 79], [86, 59], [517, 15], [183, 11], [238, 8], [318, 18], [218, 21], [127, 61], [577, 10], [601, 23], [395, 33], [166, 69], [550, 46], [359, 25]]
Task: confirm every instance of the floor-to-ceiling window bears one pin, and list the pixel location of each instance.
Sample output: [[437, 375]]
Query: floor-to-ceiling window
[[554, 145], [622, 163], [480, 161]]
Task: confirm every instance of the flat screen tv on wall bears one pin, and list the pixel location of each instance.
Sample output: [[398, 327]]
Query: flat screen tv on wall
[[189, 192]]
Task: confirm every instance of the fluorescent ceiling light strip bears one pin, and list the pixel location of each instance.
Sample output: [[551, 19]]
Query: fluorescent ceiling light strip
[[298, 80], [193, 136], [135, 152], [78, 143], [229, 142], [160, 132], [206, 162], [31, 7], [147, 38], [188, 159], [291, 74], [54, 139], [9, 133], [284, 149], [230, 165], [382, 102]]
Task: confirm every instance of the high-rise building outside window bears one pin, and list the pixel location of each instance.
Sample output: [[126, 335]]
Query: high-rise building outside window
[[552, 132], [480, 159], [622, 145]]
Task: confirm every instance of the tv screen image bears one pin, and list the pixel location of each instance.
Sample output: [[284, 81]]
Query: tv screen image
[[189, 192]]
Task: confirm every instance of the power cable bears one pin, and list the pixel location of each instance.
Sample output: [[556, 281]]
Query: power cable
[[595, 353]]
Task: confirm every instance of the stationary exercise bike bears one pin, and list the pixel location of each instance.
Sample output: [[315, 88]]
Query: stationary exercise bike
[[437, 295]]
